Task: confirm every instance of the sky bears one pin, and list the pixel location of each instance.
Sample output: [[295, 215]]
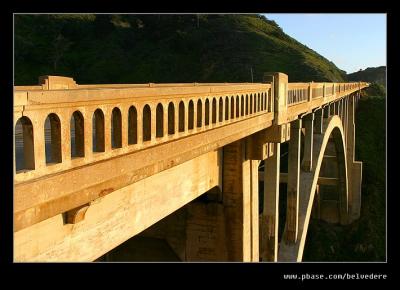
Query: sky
[[351, 41]]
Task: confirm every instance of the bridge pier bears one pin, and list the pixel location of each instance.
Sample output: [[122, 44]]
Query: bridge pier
[[269, 224], [240, 200], [308, 142], [292, 222], [354, 167]]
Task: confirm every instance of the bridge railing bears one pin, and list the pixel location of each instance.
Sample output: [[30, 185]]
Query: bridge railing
[[297, 93], [300, 92], [60, 125], [58, 129]]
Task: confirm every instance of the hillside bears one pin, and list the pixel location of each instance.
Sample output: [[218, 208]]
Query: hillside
[[371, 75], [161, 48]]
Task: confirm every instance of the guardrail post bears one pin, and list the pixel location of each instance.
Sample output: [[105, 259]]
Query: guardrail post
[[279, 87]]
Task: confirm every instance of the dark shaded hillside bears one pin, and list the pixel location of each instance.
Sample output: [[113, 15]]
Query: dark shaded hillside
[[161, 48], [371, 75]]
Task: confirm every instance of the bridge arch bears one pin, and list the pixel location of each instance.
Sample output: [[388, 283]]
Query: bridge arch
[[146, 123], [159, 120], [191, 115], [199, 113], [132, 125], [251, 104], [308, 184], [232, 107], [237, 106], [116, 128], [98, 131], [52, 132], [24, 140], [171, 118], [77, 131], [226, 108], [220, 109], [207, 112]]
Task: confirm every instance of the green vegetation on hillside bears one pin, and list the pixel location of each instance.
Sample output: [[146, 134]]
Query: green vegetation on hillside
[[371, 75], [161, 48]]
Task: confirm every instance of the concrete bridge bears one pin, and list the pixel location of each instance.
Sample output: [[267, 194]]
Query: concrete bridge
[[117, 160]]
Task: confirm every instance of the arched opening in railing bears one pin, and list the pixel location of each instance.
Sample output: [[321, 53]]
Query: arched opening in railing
[[181, 116], [232, 107], [171, 118], [146, 123], [264, 97], [52, 134], [199, 113], [159, 121], [270, 101], [237, 106], [242, 106], [207, 112], [214, 111], [247, 105], [24, 150], [191, 115], [251, 103], [116, 128], [221, 107], [226, 108], [255, 103], [77, 135], [132, 125], [98, 131]]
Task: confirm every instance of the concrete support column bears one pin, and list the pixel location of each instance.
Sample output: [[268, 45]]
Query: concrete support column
[[107, 129], [176, 117], [326, 111], [279, 84], [203, 113], [293, 182], [354, 171], [270, 215], [221, 120], [65, 137], [319, 121], [140, 125], [88, 127], [308, 142], [240, 196], [153, 123], [254, 211], [186, 121], [165, 120], [346, 117], [194, 114], [124, 126]]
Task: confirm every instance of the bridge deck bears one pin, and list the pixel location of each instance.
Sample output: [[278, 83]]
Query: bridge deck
[[153, 127]]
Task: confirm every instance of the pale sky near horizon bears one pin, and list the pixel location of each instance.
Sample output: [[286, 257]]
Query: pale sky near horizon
[[351, 41]]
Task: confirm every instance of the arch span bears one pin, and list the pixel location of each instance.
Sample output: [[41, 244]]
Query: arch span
[[308, 182]]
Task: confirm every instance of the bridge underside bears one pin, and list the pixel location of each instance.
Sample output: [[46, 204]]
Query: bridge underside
[[120, 215]]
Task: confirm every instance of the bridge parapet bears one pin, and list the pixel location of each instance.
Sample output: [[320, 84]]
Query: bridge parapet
[[88, 123], [62, 128]]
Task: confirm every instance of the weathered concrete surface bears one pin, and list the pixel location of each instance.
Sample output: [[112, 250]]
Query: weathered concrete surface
[[294, 251], [113, 219], [159, 147]]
